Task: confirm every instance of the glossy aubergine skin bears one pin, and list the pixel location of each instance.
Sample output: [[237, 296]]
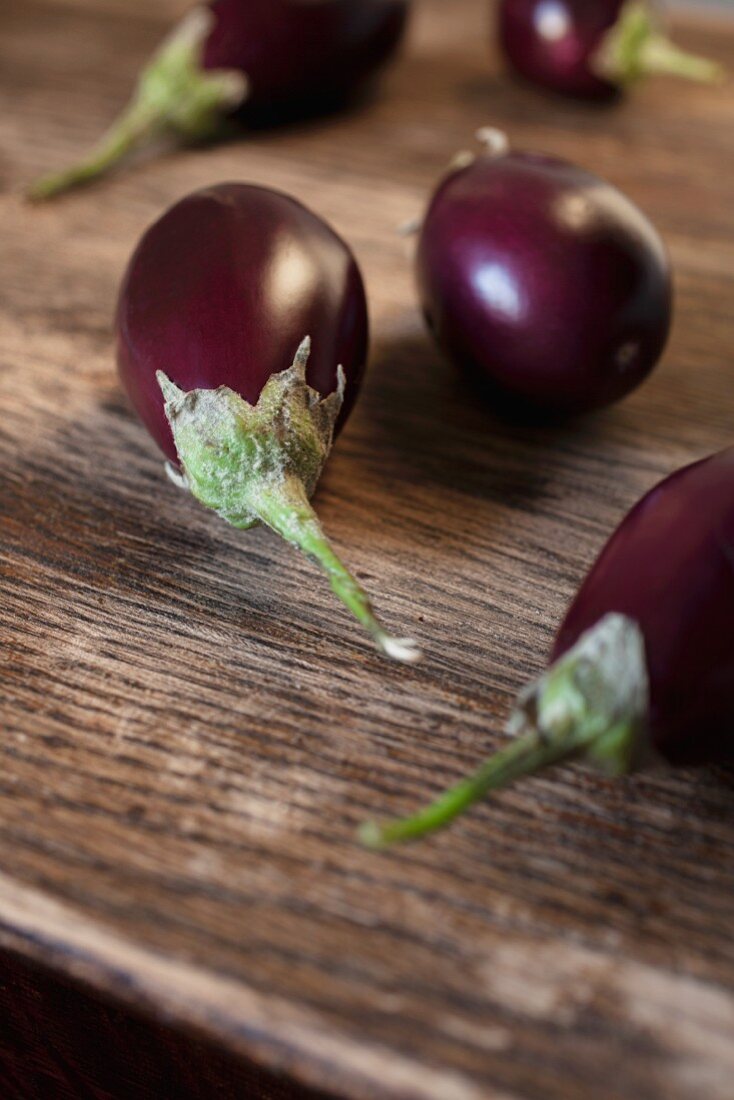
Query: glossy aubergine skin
[[553, 43], [544, 281], [222, 289], [298, 53], [670, 568]]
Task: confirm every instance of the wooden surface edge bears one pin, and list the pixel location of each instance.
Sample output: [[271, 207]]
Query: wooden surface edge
[[62, 1039], [266, 1030]]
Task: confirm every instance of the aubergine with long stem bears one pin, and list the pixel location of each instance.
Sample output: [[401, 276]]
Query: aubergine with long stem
[[642, 668], [243, 61], [242, 336]]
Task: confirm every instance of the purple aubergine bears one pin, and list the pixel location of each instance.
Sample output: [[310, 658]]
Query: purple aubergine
[[253, 60], [543, 281], [219, 295], [642, 668], [592, 49]]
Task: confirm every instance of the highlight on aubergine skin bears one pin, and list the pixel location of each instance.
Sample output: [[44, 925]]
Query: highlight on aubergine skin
[[593, 49], [542, 281], [642, 668], [243, 430], [244, 61]]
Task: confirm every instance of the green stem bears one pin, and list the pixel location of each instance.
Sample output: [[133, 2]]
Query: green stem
[[636, 47], [261, 463], [137, 125], [591, 704], [523, 757], [175, 95], [660, 55], [285, 508]]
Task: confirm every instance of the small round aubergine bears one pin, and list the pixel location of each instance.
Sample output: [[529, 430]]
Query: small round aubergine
[[260, 61], [642, 668], [592, 49], [542, 281], [218, 296]]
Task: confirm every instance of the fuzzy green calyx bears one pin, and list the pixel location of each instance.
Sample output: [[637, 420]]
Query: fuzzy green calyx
[[174, 96], [636, 46], [591, 705], [261, 463], [233, 452]]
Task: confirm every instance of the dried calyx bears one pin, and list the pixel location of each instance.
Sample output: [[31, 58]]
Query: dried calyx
[[495, 143]]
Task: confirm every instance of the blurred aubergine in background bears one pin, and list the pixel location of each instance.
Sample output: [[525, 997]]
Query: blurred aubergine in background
[[592, 49], [257, 62]]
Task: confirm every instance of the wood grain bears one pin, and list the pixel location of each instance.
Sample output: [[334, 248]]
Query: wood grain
[[192, 730]]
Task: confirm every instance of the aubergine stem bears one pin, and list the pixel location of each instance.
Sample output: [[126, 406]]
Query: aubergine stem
[[134, 128], [636, 47], [526, 756], [286, 509], [260, 464], [174, 96], [591, 704]]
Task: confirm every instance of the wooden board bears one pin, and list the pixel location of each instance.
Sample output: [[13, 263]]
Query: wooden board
[[191, 731]]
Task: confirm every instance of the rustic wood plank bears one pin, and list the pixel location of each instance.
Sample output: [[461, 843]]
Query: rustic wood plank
[[191, 731]]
